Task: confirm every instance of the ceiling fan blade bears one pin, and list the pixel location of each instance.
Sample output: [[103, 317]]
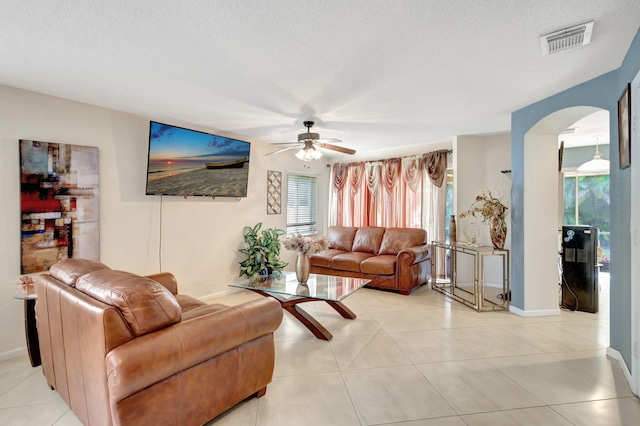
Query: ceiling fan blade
[[332, 140], [286, 143], [337, 148], [280, 150]]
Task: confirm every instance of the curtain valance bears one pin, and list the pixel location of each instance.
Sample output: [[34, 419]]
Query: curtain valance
[[387, 172]]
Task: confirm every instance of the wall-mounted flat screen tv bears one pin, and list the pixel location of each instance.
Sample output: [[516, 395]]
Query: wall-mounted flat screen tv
[[185, 162]]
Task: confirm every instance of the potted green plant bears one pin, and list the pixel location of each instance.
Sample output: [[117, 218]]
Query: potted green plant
[[262, 250]]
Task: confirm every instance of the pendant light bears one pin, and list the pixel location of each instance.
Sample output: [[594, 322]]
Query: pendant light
[[597, 165]]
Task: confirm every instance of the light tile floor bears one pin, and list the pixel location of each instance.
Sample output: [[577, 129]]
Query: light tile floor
[[417, 360]]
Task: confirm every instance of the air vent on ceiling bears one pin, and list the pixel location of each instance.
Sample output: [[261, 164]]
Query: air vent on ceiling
[[568, 38], [568, 131]]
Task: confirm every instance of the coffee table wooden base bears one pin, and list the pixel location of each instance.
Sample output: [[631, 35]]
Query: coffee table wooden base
[[291, 305]]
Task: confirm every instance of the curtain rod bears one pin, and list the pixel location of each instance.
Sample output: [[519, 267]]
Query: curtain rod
[[449, 151]]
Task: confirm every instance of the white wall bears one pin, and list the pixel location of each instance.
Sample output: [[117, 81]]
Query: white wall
[[405, 151], [200, 237], [541, 224], [478, 164]]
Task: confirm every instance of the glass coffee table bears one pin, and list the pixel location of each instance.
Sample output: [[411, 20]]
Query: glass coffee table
[[285, 288]]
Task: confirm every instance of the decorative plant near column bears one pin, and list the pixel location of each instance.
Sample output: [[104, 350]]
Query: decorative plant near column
[[262, 250], [493, 213]]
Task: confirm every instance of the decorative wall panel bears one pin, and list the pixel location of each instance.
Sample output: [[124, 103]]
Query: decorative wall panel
[[274, 192]]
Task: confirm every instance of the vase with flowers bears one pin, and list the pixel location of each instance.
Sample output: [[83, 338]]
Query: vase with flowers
[[493, 213], [305, 247], [26, 282]]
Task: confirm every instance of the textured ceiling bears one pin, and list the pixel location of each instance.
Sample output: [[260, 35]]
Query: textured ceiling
[[374, 73]]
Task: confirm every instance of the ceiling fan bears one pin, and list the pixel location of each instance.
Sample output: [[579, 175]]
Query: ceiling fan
[[310, 142]]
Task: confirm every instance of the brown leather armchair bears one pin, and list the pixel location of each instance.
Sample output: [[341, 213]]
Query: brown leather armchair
[[122, 349]]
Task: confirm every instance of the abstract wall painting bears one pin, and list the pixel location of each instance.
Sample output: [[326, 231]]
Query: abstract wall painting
[[59, 204]]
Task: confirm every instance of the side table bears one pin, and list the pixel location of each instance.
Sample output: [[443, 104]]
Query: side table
[[477, 275], [30, 329]]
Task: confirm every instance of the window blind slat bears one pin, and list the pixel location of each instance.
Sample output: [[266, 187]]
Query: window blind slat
[[301, 204]]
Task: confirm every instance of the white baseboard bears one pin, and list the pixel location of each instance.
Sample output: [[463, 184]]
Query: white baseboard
[[219, 294], [614, 354], [534, 313], [13, 353]]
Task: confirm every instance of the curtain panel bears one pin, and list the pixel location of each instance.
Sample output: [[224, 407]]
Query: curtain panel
[[395, 192]]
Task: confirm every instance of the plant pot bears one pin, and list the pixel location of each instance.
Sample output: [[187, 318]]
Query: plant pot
[[498, 233], [266, 271], [302, 267]]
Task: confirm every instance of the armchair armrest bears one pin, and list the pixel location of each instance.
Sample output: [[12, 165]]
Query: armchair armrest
[[412, 267], [153, 357], [416, 254]]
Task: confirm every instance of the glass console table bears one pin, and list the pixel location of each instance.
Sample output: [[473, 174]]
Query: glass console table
[[472, 274]]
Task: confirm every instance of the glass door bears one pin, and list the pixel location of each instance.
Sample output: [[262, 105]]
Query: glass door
[[587, 202]]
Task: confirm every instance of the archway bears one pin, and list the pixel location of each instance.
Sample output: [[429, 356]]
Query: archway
[[540, 204]]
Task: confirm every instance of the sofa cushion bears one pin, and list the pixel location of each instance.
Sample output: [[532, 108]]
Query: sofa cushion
[[368, 239], [323, 259], [384, 264], [349, 261], [144, 303], [398, 239], [341, 237], [69, 270]]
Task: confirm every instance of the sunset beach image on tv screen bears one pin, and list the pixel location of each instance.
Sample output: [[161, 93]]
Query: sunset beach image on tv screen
[[187, 162]]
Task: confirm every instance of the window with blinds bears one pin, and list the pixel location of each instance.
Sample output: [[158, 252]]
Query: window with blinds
[[301, 204]]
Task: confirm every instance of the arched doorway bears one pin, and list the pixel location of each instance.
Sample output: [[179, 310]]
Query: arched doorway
[[541, 204], [602, 92]]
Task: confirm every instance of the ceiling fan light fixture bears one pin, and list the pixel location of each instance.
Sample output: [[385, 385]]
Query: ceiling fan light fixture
[[303, 137], [308, 153], [310, 143]]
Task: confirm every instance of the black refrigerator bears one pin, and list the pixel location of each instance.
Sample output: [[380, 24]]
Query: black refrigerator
[[580, 287]]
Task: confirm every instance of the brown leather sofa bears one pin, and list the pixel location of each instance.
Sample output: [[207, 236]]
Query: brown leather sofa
[[122, 349], [392, 258]]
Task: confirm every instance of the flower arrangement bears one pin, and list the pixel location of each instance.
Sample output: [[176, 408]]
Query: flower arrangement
[[305, 245], [27, 284], [489, 207], [493, 213]]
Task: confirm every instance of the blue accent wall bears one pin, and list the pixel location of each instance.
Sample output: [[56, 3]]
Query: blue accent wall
[[601, 92], [574, 157]]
